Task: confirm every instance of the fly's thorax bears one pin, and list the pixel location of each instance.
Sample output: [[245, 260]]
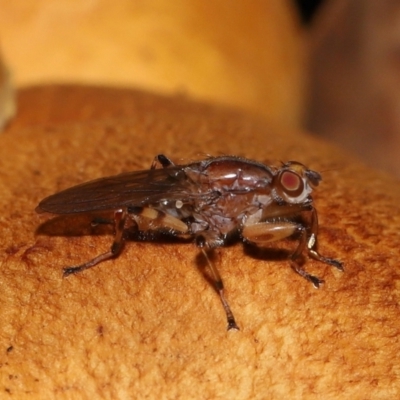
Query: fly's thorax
[[236, 187], [230, 174]]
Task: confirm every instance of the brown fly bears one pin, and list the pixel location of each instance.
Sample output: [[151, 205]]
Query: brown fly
[[210, 201]]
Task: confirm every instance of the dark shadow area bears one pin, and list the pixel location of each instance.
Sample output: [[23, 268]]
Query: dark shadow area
[[259, 253], [266, 253], [307, 9], [102, 224], [75, 225]]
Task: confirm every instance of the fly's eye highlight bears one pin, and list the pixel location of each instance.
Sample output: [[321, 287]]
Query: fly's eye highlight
[[291, 183]]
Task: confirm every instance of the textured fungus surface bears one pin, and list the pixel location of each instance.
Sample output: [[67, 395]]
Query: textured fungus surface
[[148, 324]]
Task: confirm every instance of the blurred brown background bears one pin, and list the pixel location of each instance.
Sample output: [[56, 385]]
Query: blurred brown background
[[334, 71], [244, 53], [354, 86]]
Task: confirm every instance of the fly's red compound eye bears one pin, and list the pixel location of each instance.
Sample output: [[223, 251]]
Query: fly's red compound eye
[[291, 183]]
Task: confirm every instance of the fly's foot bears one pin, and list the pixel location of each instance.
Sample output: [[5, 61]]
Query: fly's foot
[[326, 260], [71, 270], [335, 263], [232, 325], [316, 282]]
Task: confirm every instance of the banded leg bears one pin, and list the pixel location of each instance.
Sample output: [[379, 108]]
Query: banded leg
[[297, 254], [312, 245], [201, 242], [116, 247]]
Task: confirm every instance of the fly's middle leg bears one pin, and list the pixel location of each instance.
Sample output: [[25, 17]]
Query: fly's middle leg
[[116, 247], [201, 242]]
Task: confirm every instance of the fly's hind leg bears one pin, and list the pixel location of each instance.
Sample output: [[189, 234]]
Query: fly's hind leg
[[266, 232], [201, 242], [116, 247]]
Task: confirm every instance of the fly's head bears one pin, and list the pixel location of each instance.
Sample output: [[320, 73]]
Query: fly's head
[[293, 183]]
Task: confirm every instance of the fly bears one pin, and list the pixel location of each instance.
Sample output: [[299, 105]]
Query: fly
[[210, 202]]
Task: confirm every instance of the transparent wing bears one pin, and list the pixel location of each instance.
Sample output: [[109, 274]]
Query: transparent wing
[[124, 190]]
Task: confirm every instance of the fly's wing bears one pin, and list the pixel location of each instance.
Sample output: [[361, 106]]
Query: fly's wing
[[120, 191]]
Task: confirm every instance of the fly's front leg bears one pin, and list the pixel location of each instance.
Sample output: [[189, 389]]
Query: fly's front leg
[[266, 232], [312, 244], [201, 241], [296, 266], [116, 247]]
